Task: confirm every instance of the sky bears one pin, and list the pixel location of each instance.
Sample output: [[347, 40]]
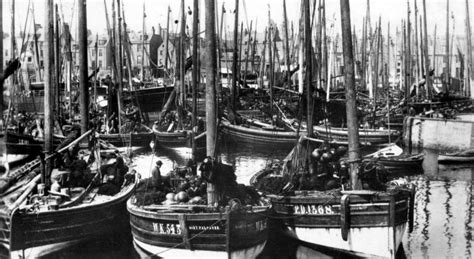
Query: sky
[[392, 11]]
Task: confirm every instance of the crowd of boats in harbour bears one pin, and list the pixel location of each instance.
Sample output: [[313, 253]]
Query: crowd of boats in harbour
[[80, 184]]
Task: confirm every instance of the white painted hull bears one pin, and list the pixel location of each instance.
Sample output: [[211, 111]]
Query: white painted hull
[[166, 252], [363, 241]]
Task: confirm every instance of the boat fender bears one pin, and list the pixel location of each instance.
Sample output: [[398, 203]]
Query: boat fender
[[345, 216]]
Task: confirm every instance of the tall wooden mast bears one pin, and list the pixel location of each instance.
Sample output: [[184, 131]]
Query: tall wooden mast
[[1, 64], [12, 43], [351, 108], [83, 66], [446, 61], [48, 85], [287, 45], [308, 70], [211, 74], [469, 73], [167, 39], [425, 50], [195, 71], [234, 59], [143, 44]]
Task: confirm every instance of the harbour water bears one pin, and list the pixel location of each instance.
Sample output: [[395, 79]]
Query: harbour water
[[443, 220]]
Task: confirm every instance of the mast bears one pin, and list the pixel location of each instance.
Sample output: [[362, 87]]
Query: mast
[[417, 56], [469, 72], [287, 45], [57, 65], [308, 70], [351, 108], [182, 53], [167, 38], [143, 44], [211, 133], [48, 85], [234, 59], [270, 72], [12, 44], [195, 73], [254, 48], [446, 61], [249, 39], [37, 58], [425, 50], [388, 59], [1, 64], [408, 49], [120, 66], [96, 49], [83, 69]]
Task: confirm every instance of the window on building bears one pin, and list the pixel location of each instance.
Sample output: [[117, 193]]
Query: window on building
[[93, 52], [100, 52], [100, 63], [29, 59], [6, 52], [161, 52], [102, 42], [139, 47]]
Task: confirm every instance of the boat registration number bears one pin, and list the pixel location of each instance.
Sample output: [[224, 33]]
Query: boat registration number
[[313, 209]]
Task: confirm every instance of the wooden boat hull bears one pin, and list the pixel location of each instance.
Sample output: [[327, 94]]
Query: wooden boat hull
[[451, 159], [20, 229], [177, 235], [363, 225], [366, 137], [258, 136], [21, 144], [404, 164], [178, 139], [151, 99], [130, 139]]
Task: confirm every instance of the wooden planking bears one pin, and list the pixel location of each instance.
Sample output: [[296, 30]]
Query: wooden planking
[[48, 227]]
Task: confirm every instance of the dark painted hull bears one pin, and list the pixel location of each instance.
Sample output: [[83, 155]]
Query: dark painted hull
[[366, 137], [178, 139], [151, 99], [21, 144], [170, 234], [130, 139], [258, 135], [22, 229]]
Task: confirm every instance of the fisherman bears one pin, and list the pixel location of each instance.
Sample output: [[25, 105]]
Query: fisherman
[[78, 176], [114, 176], [157, 182]]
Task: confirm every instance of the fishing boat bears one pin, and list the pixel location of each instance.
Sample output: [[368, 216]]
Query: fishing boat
[[258, 133], [184, 232], [31, 219], [368, 137], [344, 220], [178, 228], [362, 217], [465, 156], [134, 139], [392, 158]]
